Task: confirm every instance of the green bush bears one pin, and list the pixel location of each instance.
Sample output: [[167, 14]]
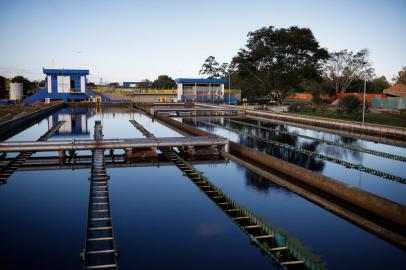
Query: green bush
[[293, 108], [350, 104]]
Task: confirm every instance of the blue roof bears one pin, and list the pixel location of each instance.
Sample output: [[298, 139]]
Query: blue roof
[[48, 71], [192, 80]]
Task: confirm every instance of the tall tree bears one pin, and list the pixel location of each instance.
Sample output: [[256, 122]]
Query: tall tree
[[164, 82], [378, 84], [401, 78], [210, 67], [145, 84], [277, 60], [344, 66]]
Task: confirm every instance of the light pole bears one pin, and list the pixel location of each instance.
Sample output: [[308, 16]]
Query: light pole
[[365, 89], [363, 107], [229, 88]]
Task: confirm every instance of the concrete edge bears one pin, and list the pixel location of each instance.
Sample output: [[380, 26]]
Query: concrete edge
[[379, 130], [13, 126], [377, 205], [373, 227]]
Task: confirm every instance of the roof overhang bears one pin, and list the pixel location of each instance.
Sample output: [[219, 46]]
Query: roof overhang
[[48, 71], [193, 80]]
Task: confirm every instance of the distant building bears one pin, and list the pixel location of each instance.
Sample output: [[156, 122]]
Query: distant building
[[67, 81], [130, 84], [67, 85], [394, 98], [200, 90]]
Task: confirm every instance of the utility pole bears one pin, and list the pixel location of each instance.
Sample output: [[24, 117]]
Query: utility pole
[[365, 89], [229, 87], [363, 107]]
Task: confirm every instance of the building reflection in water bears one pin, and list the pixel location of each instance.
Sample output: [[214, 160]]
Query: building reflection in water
[[75, 125]]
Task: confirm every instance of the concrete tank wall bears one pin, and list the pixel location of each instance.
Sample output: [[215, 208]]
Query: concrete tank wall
[[16, 91]]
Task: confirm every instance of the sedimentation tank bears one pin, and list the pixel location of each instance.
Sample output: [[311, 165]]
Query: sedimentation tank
[[16, 91]]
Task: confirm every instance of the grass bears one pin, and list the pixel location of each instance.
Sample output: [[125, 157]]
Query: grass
[[371, 118], [8, 112]]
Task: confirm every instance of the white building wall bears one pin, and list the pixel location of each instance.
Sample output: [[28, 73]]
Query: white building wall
[[84, 123], [67, 126], [180, 91], [82, 84], [49, 83], [63, 83]]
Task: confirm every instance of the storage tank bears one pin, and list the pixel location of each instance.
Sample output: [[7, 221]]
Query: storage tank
[[16, 91]]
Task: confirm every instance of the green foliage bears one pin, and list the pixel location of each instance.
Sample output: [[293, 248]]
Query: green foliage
[[164, 82], [401, 78], [145, 84], [18, 79], [293, 108], [345, 66], [210, 67], [377, 85], [276, 60], [350, 104], [114, 84]]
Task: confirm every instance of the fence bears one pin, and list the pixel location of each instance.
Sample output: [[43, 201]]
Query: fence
[[394, 103]]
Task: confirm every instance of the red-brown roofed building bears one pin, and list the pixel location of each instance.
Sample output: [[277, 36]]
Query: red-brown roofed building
[[397, 90]]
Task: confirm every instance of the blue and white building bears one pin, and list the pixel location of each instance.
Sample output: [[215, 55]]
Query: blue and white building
[[61, 81], [200, 90], [67, 85]]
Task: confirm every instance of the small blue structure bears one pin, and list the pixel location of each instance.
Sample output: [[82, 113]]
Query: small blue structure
[[200, 90], [66, 85]]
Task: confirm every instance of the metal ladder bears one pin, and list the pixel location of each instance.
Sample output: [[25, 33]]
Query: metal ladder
[[15, 163], [100, 251], [261, 234]]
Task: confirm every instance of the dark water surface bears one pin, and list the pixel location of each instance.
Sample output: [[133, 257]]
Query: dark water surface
[[372, 183], [162, 220]]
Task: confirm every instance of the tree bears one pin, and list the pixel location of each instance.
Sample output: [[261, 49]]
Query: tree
[[277, 60], [401, 78], [378, 85], [164, 82], [313, 87], [350, 104], [223, 70], [344, 66], [114, 84], [210, 67], [145, 84]]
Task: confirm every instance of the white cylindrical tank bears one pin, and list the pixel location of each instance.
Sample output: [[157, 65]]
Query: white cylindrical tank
[[16, 91]]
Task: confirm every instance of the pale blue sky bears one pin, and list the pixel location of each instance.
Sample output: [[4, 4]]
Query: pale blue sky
[[133, 40]]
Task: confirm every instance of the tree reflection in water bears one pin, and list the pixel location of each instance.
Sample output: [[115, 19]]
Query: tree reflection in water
[[299, 159], [331, 150]]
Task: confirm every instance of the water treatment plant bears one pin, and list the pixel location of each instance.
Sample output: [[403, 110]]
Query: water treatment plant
[[197, 185], [204, 135]]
